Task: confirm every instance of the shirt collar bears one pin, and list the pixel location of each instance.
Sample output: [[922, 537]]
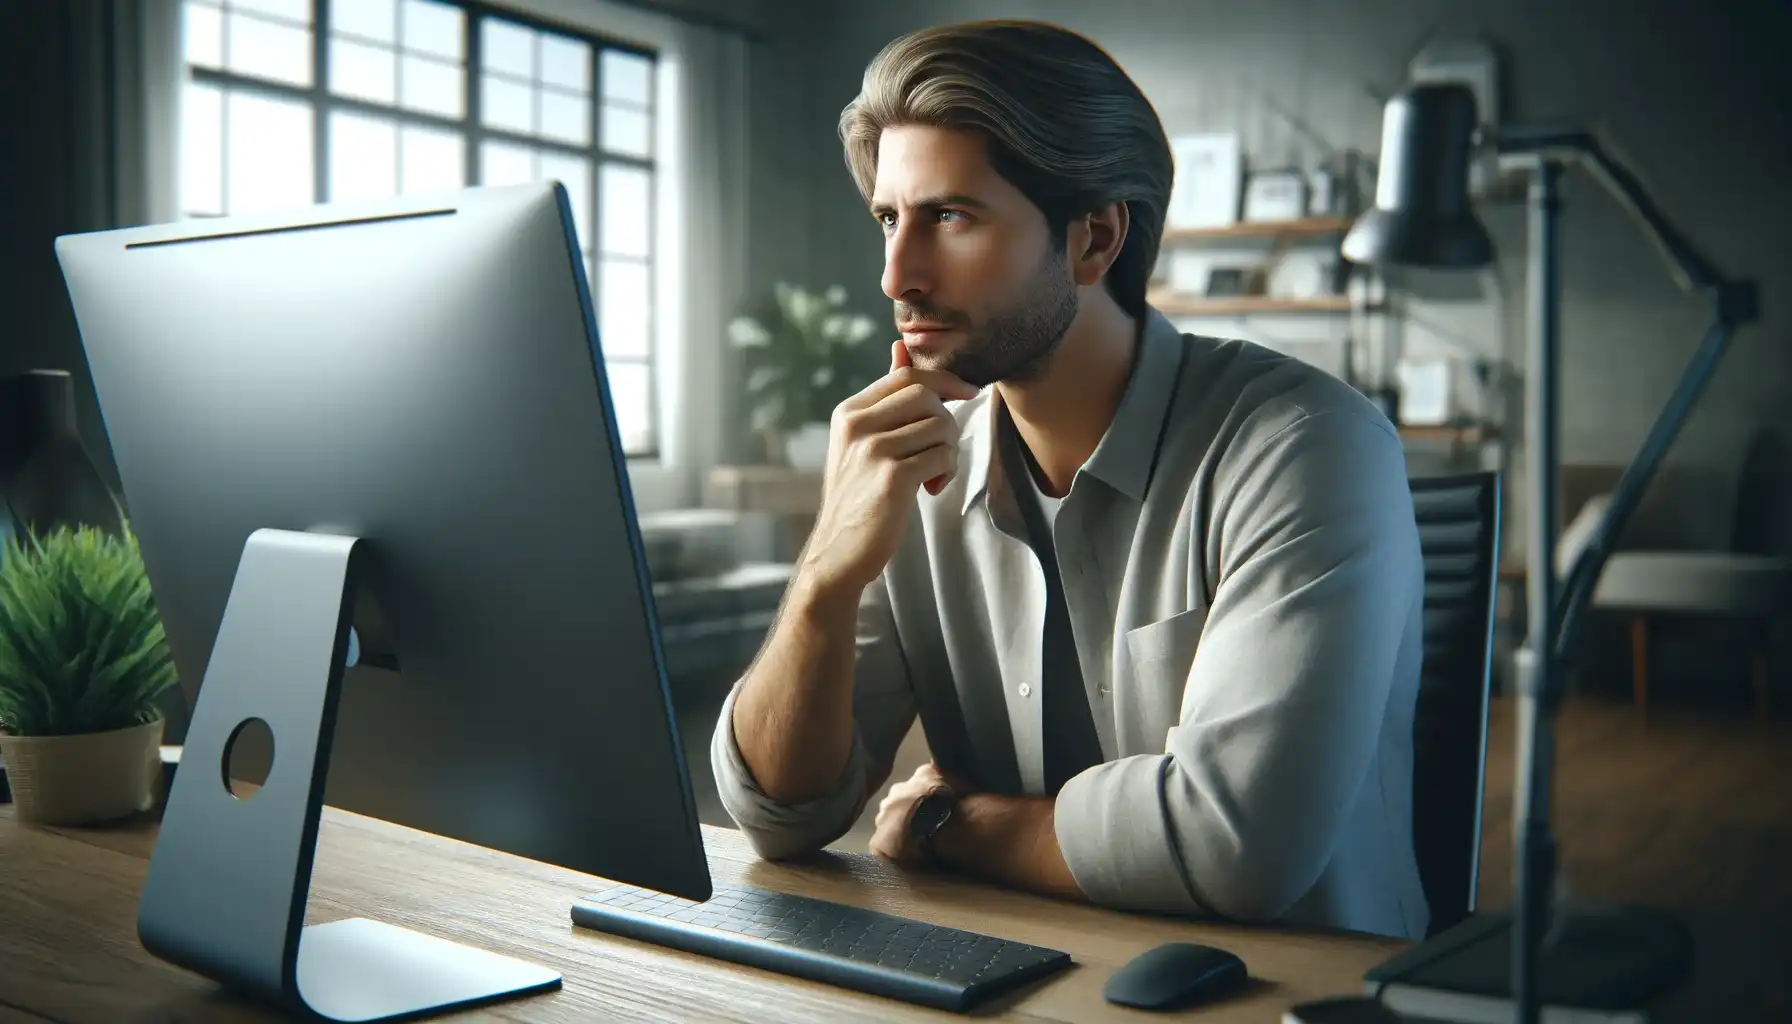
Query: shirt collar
[[1128, 450]]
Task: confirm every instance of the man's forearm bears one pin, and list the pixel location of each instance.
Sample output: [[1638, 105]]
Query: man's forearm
[[793, 715], [1010, 840]]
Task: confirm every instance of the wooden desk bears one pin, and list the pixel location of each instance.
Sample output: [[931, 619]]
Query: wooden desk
[[69, 949]]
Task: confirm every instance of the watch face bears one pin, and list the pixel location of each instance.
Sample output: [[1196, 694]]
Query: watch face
[[931, 813]]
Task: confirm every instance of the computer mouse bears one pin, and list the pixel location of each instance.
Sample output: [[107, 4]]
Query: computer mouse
[[1174, 976]]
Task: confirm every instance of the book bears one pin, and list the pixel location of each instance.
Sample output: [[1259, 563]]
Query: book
[[1597, 966]]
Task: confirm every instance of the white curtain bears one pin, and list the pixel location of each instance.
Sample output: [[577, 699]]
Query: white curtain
[[706, 71], [124, 78]]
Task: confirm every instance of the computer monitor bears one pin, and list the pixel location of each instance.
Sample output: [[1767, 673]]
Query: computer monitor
[[391, 416]]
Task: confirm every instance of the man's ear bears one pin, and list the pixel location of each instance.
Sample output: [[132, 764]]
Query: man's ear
[[1095, 240]]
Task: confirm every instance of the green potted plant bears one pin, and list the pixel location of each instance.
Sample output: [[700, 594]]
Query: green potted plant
[[804, 354], [83, 666]]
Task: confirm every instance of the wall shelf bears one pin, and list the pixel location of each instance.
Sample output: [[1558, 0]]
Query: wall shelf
[[1173, 304], [1308, 227]]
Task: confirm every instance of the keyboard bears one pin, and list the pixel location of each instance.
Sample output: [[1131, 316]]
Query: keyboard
[[853, 948]]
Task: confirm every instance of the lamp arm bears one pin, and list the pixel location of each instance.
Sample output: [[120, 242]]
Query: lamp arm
[[1736, 303], [1583, 577], [1690, 268]]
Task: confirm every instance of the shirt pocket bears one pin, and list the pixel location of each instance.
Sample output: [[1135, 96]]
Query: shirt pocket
[[1159, 658]]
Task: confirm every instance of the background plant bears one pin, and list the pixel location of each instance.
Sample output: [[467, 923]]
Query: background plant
[[805, 353], [82, 647]]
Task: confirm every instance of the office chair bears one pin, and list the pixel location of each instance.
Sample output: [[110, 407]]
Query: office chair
[[1459, 539]]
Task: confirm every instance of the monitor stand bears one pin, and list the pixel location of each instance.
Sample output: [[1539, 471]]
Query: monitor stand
[[228, 880]]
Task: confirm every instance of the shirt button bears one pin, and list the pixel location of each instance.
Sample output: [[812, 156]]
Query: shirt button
[[1026, 689], [1101, 691]]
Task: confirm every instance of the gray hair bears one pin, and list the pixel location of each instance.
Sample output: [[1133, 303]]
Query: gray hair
[[1064, 124]]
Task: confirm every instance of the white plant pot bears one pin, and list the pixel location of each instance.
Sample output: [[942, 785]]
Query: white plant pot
[[807, 446], [84, 778]]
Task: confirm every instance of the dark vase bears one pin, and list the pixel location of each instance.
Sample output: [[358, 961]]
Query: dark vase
[[46, 477]]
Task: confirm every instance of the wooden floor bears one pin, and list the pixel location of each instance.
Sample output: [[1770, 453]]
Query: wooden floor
[[1691, 812], [1691, 809]]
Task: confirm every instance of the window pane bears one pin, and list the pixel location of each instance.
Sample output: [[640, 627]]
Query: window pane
[[267, 50], [370, 19], [575, 174], [363, 158], [501, 163], [566, 63], [364, 72], [204, 29], [623, 217], [431, 27], [432, 161], [507, 47], [506, 105], [627, 131], [269, 164], [625, 294], [433, 86], [565, 118], [201, 149], [629, 391], [627, 77], [292, 10]]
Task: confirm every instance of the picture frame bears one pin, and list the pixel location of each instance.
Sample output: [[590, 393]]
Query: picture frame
[[1209, 176], [1275, 194]]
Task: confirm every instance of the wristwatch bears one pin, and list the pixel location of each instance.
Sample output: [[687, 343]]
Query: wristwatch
[[931, 814]]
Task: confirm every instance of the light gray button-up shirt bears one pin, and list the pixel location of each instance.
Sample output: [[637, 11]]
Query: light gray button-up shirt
[[1241, 566]]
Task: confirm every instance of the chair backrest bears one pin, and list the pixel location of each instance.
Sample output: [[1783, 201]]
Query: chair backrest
[[1459, 538], [1761, 496]]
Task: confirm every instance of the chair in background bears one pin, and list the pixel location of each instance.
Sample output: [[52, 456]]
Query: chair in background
[[1459, 538], [1751, 582]]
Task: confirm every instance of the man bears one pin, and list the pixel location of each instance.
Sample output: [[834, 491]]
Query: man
[[1155, 598]]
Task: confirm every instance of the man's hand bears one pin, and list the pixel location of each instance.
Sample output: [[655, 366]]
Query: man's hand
[[886, 442], [892, 839], [1006, 839]]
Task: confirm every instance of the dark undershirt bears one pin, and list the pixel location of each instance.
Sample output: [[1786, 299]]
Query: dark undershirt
[[1067, 727]]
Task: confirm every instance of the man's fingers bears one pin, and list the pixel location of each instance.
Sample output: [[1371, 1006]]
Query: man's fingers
[[948, 386], [916, 436], [903, 373], [937, 463], [909, 405]]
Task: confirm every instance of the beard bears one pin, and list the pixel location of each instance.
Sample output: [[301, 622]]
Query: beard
[[1015, 343]]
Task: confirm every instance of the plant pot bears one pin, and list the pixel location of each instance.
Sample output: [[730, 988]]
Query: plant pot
[[84, 778], [806, 447]]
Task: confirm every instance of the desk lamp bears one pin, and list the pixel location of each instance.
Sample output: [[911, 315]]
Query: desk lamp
[[1422, 217]]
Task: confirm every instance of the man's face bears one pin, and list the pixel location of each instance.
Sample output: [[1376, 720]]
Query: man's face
[[980, 289]]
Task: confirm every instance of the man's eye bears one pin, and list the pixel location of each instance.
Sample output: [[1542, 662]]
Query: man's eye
[[953, 214]]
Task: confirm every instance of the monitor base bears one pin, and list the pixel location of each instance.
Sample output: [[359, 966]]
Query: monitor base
[[231, 870], [361, 970]]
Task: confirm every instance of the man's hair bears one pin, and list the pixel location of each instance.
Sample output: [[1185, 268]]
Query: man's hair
[[1063, 123]]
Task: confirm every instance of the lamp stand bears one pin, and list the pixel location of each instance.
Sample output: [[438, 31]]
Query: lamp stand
[[1638, 949], [1534, 853], [1539, 953]]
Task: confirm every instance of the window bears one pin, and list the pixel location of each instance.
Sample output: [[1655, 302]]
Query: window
[[292, 102]]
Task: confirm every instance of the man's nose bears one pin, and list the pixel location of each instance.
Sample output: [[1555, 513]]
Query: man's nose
[[907, 264]]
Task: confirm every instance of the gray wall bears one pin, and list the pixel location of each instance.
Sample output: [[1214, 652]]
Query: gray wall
[[1696, 101]]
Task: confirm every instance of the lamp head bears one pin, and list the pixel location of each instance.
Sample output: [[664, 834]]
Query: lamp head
[[1422, 216]]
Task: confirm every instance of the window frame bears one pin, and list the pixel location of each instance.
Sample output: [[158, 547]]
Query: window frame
[[474, 134]]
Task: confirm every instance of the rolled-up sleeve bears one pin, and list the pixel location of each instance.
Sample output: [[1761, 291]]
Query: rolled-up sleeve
[[883, 711], [1286, 697]]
